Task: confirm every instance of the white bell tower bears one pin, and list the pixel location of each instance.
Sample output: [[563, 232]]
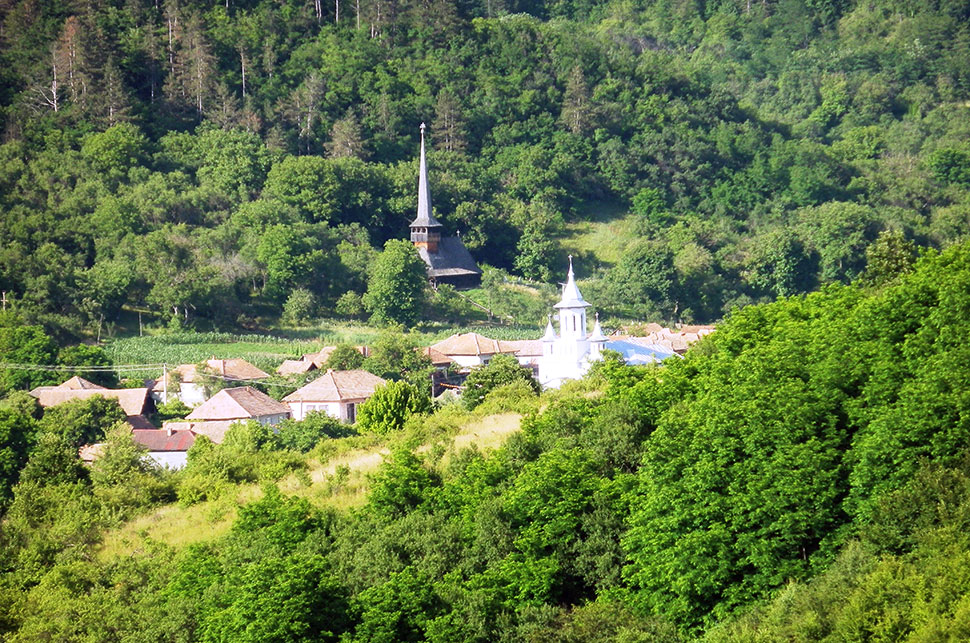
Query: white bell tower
[[565, 357]]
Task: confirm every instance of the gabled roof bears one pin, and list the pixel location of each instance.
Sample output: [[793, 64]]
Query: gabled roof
[[451, 260], [425, 218], [319, 358], [240, 403], [132, 400], [163, 440], [437, 357], [337, 386], [235, 369], [74, 384], [522, 347], [139, 422], [468, 344], [79, 383], [215, 430], [295, 367]]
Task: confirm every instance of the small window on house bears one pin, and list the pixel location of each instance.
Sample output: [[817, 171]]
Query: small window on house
[[351, 412]]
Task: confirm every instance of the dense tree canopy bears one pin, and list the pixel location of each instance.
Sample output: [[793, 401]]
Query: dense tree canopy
[[207, 160], [809, 450], [800, 474]]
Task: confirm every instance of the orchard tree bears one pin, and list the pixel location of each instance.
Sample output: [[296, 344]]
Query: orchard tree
[[390, 406], [501, 370], [345, 357], [396, 355], [398, 288]]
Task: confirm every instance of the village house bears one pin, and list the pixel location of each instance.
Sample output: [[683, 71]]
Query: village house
[[135, 402], [312, 361], [187, 384], [234, 370], [468, 350], [166, 448], [526, 351], [214, 417], [180, 382], [337, 393], [295, 367]]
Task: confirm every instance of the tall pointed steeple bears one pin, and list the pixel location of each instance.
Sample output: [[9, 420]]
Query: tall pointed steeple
[[425, 229], [425, 217]]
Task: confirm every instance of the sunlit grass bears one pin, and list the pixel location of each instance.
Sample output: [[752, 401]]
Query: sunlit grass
[[603, 236], [338, 479]]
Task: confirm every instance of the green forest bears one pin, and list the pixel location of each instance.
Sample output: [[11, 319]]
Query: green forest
[[803, 474], [796, 170], [211, 161]]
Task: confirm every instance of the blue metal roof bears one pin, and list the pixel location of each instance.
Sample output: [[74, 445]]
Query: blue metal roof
[[638, 354]]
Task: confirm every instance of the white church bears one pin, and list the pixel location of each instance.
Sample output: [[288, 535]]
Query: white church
[[569, 355]]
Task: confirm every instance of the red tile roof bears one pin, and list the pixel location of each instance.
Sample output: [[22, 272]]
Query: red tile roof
[[437, 358], [132, 400], [337, 386], [468, 344], [162, 440], [215, 430], [522, 347], [240, 403], [235, 369], [295, 367]]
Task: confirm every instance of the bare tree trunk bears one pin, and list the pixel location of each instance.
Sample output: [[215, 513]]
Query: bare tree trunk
[[171, 44], [55, 88], [242, 65]]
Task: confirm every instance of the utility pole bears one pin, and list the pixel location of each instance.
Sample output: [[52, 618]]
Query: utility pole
[[164, 384], [3, 298]]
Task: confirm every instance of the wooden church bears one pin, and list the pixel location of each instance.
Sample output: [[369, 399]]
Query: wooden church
[[447, 258]]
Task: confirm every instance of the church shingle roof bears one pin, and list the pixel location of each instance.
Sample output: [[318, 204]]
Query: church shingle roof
[[452, 259]]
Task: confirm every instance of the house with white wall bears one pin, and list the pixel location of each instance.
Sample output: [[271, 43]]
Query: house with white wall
[[337, 393], [166, 448]]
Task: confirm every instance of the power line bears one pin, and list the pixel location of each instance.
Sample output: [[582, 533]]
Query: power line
[[80, 369], [120, 367]]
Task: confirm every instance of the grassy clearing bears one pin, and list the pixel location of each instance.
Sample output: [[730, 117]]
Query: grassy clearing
[[600, 239], [340, 481]]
